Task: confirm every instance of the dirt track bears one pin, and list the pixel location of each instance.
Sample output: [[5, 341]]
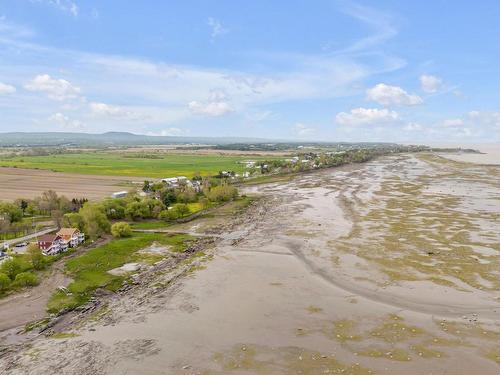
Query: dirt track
[[29, 183]]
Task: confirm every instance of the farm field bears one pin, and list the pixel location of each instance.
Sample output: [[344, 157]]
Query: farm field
[[132, 165], [29, 183]]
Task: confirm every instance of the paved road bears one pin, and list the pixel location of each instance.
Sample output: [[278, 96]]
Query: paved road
[[12, 242]]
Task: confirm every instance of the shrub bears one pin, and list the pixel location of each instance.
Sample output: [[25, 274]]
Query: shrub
[[222, 193], [181, 209], [11, 267], [25, 279], [168, 215], [4, 282], [121, 229]]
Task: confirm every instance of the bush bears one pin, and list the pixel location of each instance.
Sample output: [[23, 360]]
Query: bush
[[25, 279], [222, 193], [121, 229], [4, 282], [181, 209], [11, 267], [177, 211]]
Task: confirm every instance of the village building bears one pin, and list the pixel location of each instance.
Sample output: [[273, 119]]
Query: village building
[[176, 181], [51, 244], [71, 236]]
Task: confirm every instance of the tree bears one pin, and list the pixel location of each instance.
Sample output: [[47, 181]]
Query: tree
[[95, 222], [186, 194], [146, 187], [4, 282], [168, 196], [114, 208], [23, 205], [73, 220], [204, 202], [57, 217], [137, 210], [177, 211], [222, 193], [121, 229], [48, 201], [181, 209], [35, 256], [10, 212]]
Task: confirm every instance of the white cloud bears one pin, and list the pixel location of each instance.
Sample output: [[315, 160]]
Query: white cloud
[[112, 111], [413, 126], [56, 89], [451, 123], [303, 130], [216, 106], [365, 116], [6, 89], [65, 122], [381, 23], [217, 28], [392, 95], [171, 132], [484, 119], [64, 5], [430, 83]]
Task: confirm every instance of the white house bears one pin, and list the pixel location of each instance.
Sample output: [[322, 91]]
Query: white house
[[176, 181]]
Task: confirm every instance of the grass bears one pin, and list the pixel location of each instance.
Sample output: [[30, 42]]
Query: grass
[[152, 224], [90, 271], [122, 164]]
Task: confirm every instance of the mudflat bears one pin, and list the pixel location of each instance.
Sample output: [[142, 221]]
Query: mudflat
[[390, 267]]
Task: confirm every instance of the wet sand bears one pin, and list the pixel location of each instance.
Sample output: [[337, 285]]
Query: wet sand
[[490, 155], [354, 270]]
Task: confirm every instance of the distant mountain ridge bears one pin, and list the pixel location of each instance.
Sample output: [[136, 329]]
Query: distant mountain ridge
[[41, 139]]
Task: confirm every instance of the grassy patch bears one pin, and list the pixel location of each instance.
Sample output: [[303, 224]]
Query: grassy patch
[[90, 271], [153, 224]]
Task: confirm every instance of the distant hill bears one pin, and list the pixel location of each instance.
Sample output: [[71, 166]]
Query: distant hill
[[20, 139]]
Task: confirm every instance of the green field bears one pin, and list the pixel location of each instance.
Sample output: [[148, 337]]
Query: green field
[[126, 164]]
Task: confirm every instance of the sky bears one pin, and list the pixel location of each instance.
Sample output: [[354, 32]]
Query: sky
[[337, 70]]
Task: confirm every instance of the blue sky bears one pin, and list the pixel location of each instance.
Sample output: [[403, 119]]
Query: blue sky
[[406, 71]]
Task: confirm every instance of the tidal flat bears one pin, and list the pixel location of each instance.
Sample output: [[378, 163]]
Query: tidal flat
[[389, 267]]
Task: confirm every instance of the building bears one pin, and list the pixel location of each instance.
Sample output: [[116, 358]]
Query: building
[[176, 181], [71, 236], [51, 244], [120, 194]]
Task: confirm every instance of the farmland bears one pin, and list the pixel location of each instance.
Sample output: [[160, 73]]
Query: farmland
[[156, 165]]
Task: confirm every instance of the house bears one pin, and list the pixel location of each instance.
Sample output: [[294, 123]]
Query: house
[[71, 236], [51, 244], [249, 163], [120, 194], [176, 181]]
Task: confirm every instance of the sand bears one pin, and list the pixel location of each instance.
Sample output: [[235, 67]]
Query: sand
[[299, 285], [490, 154]]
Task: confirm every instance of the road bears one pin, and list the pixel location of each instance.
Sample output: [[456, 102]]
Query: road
[[12, 242]]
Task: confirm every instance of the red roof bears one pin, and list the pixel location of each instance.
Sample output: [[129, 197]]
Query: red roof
[[48, 238]]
